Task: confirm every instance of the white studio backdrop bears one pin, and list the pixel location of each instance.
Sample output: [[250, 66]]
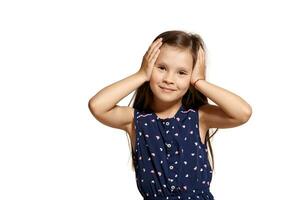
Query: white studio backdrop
[[55, 55]]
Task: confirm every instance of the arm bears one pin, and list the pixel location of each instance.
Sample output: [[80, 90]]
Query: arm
[[103, 104], [231, 110], [109, 96]]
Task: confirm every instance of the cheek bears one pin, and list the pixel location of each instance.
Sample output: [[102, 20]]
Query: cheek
[[185, 81], [185, 85], [154, 79], [155, 76]]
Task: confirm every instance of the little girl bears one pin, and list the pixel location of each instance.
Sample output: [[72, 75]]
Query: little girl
[[169, 122]]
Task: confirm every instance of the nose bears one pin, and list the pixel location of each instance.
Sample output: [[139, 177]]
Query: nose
[[168, 78]]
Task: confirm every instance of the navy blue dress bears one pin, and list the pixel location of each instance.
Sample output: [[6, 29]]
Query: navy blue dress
[[170, 160]]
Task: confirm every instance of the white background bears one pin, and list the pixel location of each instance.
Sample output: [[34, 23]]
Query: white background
[[55, 55]]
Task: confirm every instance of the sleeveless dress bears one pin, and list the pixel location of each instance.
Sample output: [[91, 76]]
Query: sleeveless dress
[[170, 160]]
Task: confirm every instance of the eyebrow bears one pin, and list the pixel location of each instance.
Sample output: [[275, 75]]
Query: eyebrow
[[180, 68]]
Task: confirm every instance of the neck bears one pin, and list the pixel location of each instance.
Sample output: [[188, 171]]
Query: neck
[[166, 109]]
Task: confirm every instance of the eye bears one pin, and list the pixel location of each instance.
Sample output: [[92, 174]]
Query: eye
[[182, 73], [161, 67]]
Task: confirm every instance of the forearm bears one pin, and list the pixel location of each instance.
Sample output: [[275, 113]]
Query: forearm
[[233, 105], [109, 96]]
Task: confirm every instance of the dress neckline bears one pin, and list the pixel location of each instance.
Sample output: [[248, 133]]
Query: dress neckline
[[169, 118]]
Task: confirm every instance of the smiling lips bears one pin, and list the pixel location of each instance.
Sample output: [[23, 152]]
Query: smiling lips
[[167, 89]]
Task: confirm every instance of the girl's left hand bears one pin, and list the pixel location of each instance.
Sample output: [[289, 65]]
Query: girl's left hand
[[199, 68]]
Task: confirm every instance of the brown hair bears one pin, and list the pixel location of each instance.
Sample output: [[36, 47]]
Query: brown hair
[[192, 98]]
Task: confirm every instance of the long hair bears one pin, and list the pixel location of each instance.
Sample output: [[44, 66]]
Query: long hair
[[192, 98]]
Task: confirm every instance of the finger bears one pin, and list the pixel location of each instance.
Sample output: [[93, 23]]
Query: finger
[[157, 46], [154, 52], [153, 49], [154, 44], [200, 53], [152, 61]]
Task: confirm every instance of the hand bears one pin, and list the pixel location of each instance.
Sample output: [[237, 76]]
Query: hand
[[150, 58], [199, 68]]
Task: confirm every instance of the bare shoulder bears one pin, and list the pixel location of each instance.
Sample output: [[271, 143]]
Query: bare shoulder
[[202, 125], [120, 117], [212, 116], [202, 113]]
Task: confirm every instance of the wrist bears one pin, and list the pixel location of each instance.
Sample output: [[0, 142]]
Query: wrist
[[194, 84], [142, 75]]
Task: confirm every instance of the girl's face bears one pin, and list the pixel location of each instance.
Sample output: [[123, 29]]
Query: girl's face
[[172, 71]]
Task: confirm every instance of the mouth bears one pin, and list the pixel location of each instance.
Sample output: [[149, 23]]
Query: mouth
[[167, 89]]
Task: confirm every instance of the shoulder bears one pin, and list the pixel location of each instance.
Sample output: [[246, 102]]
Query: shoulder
[[141, 114], [137, 116], [201, 117], [212, 116], [119, 117]]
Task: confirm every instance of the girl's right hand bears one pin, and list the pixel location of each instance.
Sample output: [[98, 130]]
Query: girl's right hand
[[149, 58]]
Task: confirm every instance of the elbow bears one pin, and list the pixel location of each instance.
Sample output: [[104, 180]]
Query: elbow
[[95, 109], [247, 114], [91, 106]]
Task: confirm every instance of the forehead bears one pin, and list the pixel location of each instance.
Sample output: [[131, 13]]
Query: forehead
[[175, 57]]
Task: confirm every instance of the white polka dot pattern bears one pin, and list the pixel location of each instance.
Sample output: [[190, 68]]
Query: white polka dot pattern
[[172, 161]]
